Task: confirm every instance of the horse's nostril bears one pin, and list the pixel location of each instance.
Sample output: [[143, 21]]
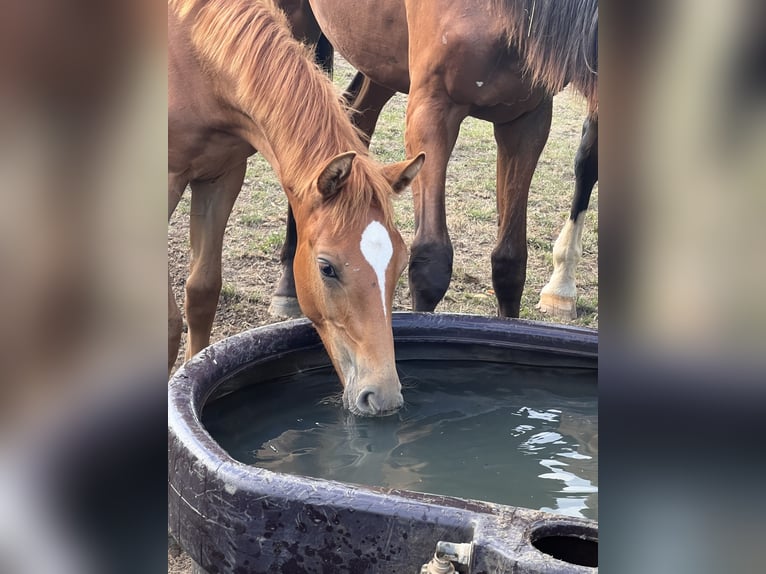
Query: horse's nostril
[[366, 401], [372, 403]]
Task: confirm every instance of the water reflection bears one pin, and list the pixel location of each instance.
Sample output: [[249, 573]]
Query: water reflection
[[574, 466]]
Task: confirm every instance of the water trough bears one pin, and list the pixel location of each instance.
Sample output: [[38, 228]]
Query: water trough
[[233, 517]]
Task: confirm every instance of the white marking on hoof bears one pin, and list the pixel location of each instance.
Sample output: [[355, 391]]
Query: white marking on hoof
[[559, 296], [377, 249], [557, 306]]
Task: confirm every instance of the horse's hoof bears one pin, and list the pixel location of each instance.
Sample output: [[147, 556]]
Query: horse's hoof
[[558, 306], [284, 307]]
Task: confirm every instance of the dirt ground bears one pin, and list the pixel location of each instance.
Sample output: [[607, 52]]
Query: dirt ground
[[256, 229]]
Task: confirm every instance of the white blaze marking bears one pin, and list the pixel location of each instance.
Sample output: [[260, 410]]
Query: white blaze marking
[[479, 84], [377, 249]]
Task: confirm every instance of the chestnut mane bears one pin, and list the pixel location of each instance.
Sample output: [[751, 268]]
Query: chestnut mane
[[271, 78]]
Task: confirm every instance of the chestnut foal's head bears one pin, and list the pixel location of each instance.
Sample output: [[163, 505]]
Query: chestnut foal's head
[[347, 263]]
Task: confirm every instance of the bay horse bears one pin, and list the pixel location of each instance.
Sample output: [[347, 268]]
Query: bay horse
[[500, 61], [239, 82]]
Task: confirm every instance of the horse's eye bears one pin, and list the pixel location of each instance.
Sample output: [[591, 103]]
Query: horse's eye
[[327, 270]]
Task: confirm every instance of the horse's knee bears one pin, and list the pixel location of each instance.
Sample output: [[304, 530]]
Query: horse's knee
[[201, 297], [509, 272], [429, 274]]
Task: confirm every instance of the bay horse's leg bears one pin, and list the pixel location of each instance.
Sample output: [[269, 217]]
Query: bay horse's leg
[[211, 206], [176, 188], [284, 301], [559, 297], [175, 327], [366, 98], [519, 145], [324, 53], [433, 124]]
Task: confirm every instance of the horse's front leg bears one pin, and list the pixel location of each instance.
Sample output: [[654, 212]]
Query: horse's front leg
[[211, 205], [559, 297], [176, 186], [433, 124], [519, 145], [366, 99]]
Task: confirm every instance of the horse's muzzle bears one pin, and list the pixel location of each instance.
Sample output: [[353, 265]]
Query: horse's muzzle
[[374, 402]]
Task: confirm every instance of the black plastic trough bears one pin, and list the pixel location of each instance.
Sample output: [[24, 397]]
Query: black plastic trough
[[231, 517]]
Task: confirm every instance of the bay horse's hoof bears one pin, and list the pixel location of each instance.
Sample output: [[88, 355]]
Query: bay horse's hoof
[[285, 307], [558, 306]]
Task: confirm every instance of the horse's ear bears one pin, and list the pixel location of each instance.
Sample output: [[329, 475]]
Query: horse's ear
[[334, 174], [401, 174]]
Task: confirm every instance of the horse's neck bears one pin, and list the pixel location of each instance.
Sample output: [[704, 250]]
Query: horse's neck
[[295, 136], [292, 112]]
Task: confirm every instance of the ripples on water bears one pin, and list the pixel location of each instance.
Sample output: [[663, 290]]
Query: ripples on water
[[511, 435]]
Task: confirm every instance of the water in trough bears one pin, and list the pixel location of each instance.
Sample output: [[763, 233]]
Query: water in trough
[[510, 434]]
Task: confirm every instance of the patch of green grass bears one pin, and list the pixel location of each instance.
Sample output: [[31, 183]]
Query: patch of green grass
[[540, 244], [230, 293], [269, 244], [250, 219], [481, 214], [387, 144], [254, 299], [184, 206], [403, 219]]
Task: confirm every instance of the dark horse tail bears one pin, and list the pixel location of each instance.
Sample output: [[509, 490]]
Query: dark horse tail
[[558, 40]]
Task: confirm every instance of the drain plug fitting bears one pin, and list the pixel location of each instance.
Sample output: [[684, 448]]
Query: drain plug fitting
[[447, 553]]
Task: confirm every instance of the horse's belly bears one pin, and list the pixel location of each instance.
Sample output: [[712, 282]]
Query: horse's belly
[[373, 39], [504, 113]]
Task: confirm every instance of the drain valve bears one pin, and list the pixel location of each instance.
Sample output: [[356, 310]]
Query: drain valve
[[447, 553]]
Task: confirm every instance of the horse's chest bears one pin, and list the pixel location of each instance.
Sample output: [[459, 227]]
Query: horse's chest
[[205, 153]]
